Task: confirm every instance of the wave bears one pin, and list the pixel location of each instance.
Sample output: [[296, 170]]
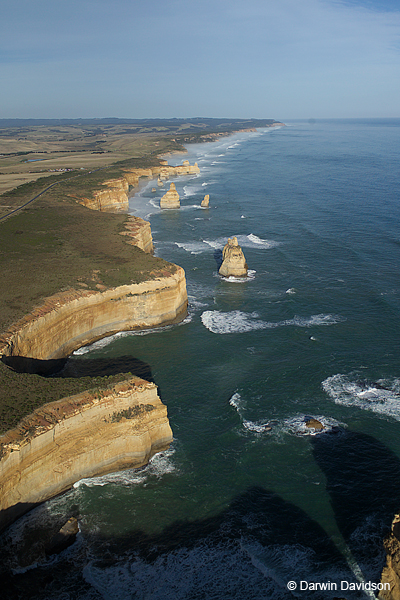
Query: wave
[[158, 466], [191, 190], [231, 278], [381, 397], [111, 338], [259, 241], [192, 247], [294, 425], [239, 322]]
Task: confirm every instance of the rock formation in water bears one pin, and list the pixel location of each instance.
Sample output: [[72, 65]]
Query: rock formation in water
[[114, 198], [92, 433], [314, 424], [69, 320], [139, 234], [234, 263], [64, 538], [391, 571], [205, 203], [171, 198]]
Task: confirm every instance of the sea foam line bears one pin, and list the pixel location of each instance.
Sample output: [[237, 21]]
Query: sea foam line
[[239, 322], [381, 397]]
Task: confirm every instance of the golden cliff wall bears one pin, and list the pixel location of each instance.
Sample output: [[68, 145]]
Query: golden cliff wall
[[391, 571], [139, 234], [72, 319], [80, 436], [115, 198]]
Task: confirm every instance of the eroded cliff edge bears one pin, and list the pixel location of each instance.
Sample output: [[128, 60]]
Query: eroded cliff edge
[[69, 320], [88, 434], [114, 195]]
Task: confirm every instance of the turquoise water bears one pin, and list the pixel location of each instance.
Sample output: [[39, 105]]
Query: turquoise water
[[248, 498]]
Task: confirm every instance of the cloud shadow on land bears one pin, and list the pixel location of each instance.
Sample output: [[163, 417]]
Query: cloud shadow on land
[[250, 550], [363, 481]]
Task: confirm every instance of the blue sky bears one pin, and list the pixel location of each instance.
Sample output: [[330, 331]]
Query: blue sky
[[281, 59]]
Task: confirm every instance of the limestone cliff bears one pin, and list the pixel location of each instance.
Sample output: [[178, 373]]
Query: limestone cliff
[[234, 262], [171, 198], [89, 434], [391, 571], [72, 319], [115, 197], [139, 234]]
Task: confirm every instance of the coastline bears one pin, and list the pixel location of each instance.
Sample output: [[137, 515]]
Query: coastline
[[71, 319]]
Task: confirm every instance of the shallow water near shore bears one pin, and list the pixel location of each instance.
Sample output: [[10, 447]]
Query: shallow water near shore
[[248, 498]]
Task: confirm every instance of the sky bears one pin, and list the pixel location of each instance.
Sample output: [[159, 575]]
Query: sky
[[279, 59]]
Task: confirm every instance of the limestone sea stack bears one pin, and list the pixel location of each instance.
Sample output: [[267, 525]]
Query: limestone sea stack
[[234, 263], [205, 203], [171, 198]]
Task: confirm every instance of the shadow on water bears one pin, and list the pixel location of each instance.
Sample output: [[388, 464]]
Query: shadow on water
[[363, 481], [248, 551], [218, 257]]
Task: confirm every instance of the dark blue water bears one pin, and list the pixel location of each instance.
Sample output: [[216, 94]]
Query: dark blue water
[[249, 498]]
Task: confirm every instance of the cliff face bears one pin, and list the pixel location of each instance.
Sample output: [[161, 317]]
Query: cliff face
[[81, 436], [115, 198], [391, 571], [72, 319], [234, 262], [139, 234]]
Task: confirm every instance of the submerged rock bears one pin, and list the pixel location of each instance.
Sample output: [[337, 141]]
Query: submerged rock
[[171, 198], [206, 201], [234, 263]]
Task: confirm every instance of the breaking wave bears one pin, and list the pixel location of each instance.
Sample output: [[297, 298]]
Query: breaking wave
[[240, 322], [381, 397]]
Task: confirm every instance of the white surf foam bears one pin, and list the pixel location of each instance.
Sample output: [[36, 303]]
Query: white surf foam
[[111, 338], [158, 466], [249, 277], [381, 397], [192, 247], [191, 190], [256, 427], [291, 291], [239, 322], [257, 240]]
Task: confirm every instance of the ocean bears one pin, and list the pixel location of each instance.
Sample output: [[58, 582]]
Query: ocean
[[248, 498]]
